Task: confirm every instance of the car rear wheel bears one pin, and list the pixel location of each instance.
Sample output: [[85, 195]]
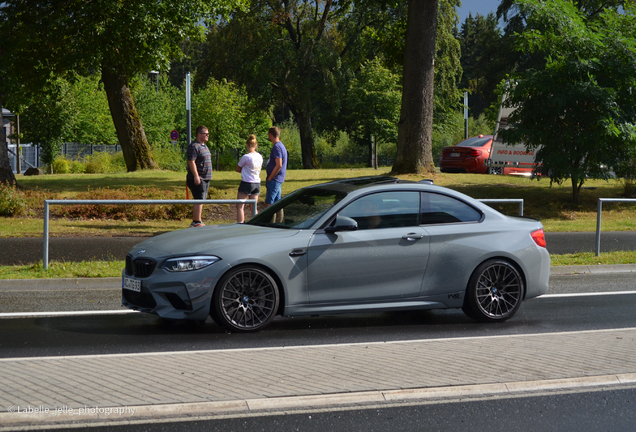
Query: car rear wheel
[[495, 170], [245, 300], [494, 292]]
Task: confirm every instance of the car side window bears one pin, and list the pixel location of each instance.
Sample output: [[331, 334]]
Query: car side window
[[384, 210], [443, 209]]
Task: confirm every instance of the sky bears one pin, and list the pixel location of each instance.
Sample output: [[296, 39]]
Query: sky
[[482, 7]]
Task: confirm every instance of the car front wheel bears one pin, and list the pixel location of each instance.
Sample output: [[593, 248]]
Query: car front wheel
[[495, 291], [245, 300]]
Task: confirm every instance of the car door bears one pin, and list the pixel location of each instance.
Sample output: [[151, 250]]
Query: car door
[[385, 258], [456, 240]]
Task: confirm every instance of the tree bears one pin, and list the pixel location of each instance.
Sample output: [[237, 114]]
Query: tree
[[414, 147], [374, 101], [579, 110], [48, 39], [225, 110], [485, 60], [48, 123]]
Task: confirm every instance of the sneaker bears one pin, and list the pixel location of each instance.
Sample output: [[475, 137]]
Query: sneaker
[[196, 224]]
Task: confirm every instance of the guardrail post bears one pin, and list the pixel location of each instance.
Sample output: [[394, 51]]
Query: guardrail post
[[599, 211], [45, 237]]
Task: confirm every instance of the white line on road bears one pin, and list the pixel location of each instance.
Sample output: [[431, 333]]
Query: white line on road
[[127, 311], [586, 294], [65, 313]]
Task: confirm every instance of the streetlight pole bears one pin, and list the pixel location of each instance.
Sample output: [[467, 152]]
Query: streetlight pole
[[156, 74], [188, 109]]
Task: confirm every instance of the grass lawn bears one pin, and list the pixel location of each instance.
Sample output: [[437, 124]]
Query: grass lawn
[[552, 204]]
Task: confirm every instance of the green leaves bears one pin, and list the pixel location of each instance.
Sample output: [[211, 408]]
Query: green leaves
[[581, 106]]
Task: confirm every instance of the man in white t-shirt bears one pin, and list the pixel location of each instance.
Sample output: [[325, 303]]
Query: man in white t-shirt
[[250, 168]]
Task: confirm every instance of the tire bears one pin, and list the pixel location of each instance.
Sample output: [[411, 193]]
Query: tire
[[494, 292], [245, 300], [495, 170]]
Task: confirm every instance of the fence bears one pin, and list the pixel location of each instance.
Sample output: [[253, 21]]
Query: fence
[[599, 211], [47, 203]]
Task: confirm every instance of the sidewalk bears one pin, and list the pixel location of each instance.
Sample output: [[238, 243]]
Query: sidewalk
[[124, 388]]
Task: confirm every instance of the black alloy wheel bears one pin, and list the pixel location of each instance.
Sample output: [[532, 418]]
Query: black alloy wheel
[[245, 300], [494, 292]]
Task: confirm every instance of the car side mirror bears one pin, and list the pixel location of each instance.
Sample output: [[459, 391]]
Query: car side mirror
[[342, 223]]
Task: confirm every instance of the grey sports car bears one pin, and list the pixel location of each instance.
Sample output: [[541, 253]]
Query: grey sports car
[[357, 245]]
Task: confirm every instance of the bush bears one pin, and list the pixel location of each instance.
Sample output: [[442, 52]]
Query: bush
[[11, 203], [61, 165], [104, 162], [126, 212], [169, 158]]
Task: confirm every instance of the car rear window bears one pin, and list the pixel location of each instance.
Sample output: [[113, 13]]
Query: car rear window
[[475, 142]]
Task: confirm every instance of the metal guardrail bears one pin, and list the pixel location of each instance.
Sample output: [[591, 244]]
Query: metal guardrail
[[47, 203], [515, 200], [599, 210]]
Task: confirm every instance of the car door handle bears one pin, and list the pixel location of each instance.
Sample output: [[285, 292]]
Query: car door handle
[[412, 236], [297, 252]]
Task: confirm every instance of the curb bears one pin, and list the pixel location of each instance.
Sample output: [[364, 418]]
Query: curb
[[140, 414]]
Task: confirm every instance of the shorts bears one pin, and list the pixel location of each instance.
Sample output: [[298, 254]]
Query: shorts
[[249, 188], [273, 191], [198, 191]]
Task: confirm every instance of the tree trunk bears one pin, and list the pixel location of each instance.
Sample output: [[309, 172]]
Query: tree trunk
[[307, 145], [414, 146], [130, 131], [576, 190], [6, 173]]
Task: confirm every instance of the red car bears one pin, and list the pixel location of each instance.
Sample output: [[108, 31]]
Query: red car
[[469, 156]]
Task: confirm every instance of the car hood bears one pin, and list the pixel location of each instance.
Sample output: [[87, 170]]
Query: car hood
[[201, 240]]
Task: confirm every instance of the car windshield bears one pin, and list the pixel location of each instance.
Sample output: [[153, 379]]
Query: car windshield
[[298, 210], [475, 142]]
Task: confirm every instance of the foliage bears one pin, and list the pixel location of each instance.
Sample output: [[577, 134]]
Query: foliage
[[170, 158], [161, 110], [374, 103], [224, 108], [91, 121], [11, 203], [486, 60], [47, 123], [126, 212], [104, 162], [579, 110], [44, 40]]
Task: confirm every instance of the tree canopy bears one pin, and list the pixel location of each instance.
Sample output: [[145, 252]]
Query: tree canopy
[[47, 39], [579, 109]]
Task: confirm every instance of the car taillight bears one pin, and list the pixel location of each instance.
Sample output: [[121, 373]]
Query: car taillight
[[473, 153], [539, 237]]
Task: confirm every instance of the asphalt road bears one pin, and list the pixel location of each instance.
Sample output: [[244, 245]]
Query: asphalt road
[[137, 333], [583, 302], [29, 250], [584, 411]]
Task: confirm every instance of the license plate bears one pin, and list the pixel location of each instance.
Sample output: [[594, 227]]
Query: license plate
[[455, 154], [131, 284]]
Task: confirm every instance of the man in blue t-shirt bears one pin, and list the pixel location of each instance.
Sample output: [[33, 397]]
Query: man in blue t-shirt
[[276, 167]]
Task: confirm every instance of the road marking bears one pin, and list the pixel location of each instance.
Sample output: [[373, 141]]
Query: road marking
[[65, 313], [127, 311], [586, 294]]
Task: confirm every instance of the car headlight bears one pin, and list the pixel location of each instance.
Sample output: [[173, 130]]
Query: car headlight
[[189, 263]]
